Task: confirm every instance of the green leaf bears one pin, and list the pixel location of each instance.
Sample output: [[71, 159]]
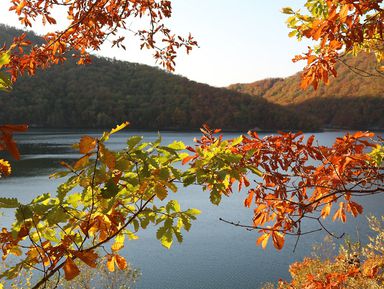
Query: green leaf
[[56, 215], [135, 224], [177, 145], [144, 222], [256, 171], [134, 140], [9, 203], [110, 190], [5, 58], [189, 180], [164, 174], [237, 140], [44, 199], [74, 200], [49, 234], [178, 235], [193, 212], [23, 212], [173, 205], [215, 197], [287, 10], [119, 242], [160, 232], [66, 187], [5, 82], [161, 192], [186, 222], [167, 240], [377, 155], [58, 175]]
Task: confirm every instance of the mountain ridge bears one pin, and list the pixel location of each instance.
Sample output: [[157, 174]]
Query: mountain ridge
[[108, 92], [350, 101]]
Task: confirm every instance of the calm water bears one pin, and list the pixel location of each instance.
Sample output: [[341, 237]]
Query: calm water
[[213, 255]]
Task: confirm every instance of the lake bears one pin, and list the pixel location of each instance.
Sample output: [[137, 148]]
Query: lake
[[214, 255]]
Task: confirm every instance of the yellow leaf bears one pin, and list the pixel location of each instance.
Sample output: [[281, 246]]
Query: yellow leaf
[[119, 127], [119, 243], [5, 168], [111, 263], [106, 135]]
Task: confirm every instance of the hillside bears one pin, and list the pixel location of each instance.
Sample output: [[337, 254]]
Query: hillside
[[109, 92], [350, 101]]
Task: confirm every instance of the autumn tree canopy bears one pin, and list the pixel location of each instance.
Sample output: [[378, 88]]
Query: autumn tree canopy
[[339, 28], [109, 196]]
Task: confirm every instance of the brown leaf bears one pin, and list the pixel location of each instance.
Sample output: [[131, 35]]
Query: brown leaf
[[87, 144], [88, 257], [70, 269]]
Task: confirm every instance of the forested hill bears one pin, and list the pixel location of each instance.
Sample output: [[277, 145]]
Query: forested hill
[[108, 92], [352, 100]]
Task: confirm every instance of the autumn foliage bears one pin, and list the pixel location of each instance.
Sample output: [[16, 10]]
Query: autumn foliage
[[293, 179], [338, 27], [107, 197], [355, 266], [90, 24]]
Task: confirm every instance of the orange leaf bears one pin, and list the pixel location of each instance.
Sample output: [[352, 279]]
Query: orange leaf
[[88, 257], [187, 159], [11, 146], [355, 208], [82, 162], [326, 211], [278, 240], [121, 262], [108, 158], [87, 144], [14, 127], [343, 13], [361, 134], [70, 269], [20, 6], [248, 200], [263, 240]]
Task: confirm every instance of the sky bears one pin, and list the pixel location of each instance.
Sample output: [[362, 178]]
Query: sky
[[239, 41]]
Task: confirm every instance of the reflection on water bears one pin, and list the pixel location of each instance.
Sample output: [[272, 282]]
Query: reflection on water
[[213, 255]]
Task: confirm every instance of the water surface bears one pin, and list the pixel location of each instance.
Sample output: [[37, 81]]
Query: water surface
[[214, 255]]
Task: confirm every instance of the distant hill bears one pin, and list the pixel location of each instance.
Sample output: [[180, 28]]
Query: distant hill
[[108, 92], [350, 101]]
